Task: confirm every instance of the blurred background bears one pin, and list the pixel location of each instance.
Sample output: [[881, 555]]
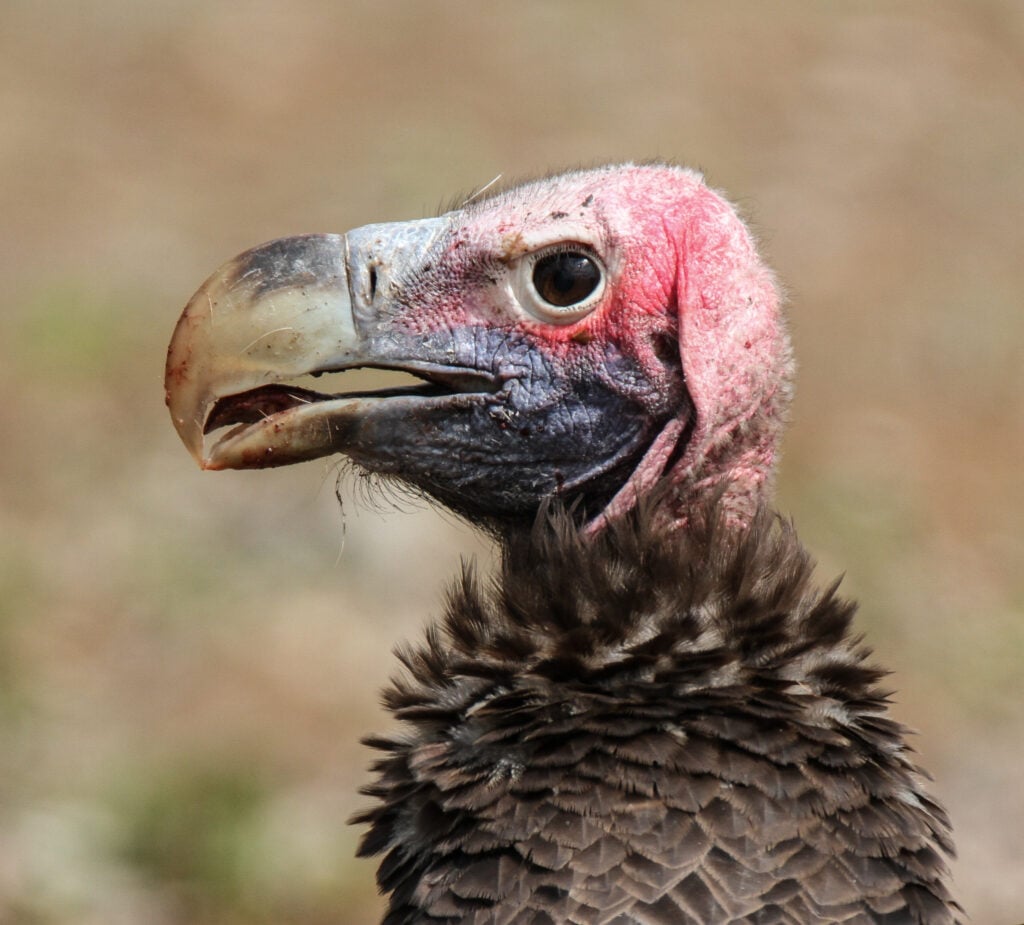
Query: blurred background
[[187, 660]]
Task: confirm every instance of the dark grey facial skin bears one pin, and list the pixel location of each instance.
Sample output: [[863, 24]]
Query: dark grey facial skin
[[496, 456]]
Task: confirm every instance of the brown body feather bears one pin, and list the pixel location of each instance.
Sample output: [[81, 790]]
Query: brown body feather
[[651, 726]]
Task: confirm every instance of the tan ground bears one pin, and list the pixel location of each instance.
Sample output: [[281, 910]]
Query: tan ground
[[187, 660]]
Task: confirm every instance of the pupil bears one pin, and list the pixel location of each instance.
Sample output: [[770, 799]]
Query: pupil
[[566, 278]]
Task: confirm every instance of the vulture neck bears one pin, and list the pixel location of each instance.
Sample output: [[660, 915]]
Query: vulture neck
[[622, 721]]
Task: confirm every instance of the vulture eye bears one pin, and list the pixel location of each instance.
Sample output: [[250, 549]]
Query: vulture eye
[[564, 283]]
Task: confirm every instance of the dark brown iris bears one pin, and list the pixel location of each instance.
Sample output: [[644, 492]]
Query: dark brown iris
[[566, 278]]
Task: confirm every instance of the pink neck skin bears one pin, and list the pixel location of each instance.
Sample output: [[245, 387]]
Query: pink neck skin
[[736, 361]]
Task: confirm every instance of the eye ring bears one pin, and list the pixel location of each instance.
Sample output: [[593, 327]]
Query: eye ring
[[561, 283]]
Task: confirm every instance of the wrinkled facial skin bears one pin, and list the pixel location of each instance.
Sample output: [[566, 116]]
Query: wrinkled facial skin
[[547, 431]]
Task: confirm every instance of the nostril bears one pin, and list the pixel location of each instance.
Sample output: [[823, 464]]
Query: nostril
[[373, 281]]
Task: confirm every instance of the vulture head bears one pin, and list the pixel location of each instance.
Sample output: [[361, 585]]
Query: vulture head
[[579, 337]]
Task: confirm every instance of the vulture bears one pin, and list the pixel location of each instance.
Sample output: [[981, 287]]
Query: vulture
[[651, 714]]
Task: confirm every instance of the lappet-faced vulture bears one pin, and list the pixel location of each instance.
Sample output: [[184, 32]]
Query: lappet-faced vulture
[[652, 714]]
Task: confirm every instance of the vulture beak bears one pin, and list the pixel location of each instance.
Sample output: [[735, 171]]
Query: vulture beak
[[272, 314], [281, 311]]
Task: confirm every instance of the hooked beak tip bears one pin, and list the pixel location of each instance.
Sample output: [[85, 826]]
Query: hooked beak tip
[[276, 312]]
